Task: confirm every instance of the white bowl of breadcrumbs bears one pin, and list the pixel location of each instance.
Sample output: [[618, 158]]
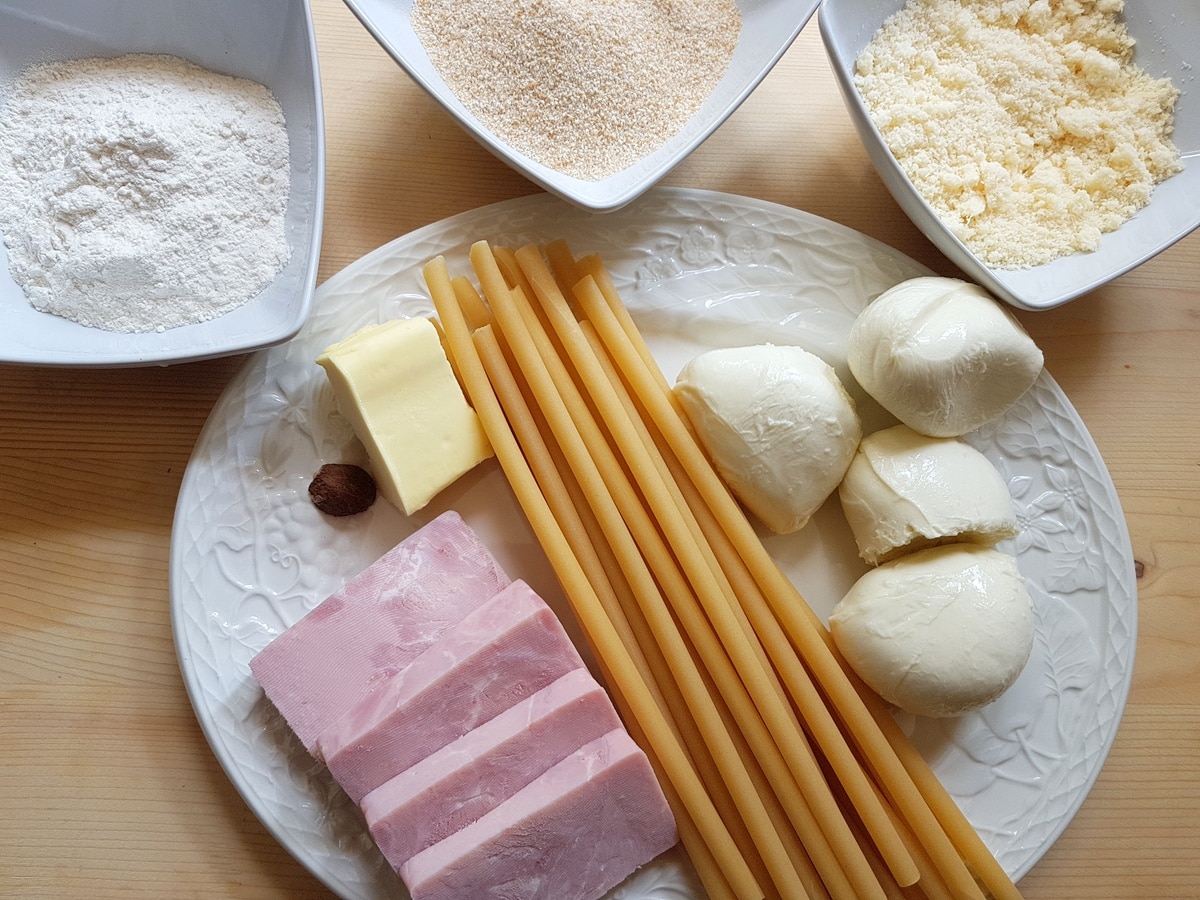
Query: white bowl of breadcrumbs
[[1045, 147], [593, 101]]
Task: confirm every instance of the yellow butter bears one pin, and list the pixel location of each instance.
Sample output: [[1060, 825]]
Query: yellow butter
[[394, 384]]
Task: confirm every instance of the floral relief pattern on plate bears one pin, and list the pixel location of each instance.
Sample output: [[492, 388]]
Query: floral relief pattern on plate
[[250, 554]]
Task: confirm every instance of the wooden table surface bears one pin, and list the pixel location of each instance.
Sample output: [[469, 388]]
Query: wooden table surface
[[107, 786]]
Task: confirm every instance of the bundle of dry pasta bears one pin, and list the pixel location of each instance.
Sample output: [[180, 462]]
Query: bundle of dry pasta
[[788, 778]]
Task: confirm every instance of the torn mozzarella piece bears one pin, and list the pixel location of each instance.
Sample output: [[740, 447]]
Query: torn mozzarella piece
[[905, 491], [941, 355], [937, 632], [778, 425]]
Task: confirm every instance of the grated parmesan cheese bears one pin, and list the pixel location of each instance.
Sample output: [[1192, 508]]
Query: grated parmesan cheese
[[1025, 124]]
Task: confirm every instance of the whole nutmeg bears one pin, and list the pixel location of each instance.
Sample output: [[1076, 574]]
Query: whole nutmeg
[[342, 489]]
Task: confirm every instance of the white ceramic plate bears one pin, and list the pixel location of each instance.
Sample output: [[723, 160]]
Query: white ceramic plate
[[1168, 37], [250, 554], [768, 28], [268, 41]]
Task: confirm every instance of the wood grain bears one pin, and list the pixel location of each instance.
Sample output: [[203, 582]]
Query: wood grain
[[107, 786]]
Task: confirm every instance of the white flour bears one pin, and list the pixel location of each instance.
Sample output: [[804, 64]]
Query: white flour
[[141, 193]]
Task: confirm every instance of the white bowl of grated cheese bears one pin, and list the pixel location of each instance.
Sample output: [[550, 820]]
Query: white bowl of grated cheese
[[1033, 183], [593, 102], [161, 179]]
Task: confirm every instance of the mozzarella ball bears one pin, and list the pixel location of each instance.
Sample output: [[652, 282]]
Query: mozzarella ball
[[937, 632], [777, 424], [905, 491], [941, 355]]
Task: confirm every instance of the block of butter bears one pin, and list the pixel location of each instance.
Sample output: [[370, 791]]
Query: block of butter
[[394, 384]]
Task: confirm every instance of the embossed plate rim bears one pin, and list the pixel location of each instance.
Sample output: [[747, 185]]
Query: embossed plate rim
[[684, 259]]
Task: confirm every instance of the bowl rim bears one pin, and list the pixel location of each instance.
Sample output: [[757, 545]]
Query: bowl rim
[[1023, 288], [141, 350], [616, 190]]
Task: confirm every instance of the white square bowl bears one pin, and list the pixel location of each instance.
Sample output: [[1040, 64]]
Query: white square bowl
[[1167, 33], [268, 41], [768, 28]]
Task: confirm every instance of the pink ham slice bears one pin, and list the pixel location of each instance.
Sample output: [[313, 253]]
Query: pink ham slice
[[376, 624], [468, 777], [572, 834], [500, 653]]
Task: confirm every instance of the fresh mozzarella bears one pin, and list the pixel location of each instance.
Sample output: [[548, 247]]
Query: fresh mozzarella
[[941, 355], [906, 491], [778, 425], [937, 632]]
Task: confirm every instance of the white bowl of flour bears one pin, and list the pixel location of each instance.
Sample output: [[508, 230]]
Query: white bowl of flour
[[161, 179], [1027, 154]]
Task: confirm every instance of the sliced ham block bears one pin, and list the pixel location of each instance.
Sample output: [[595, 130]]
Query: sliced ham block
[[572, 834], [376, 624], [497, 655], [470, 776]]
